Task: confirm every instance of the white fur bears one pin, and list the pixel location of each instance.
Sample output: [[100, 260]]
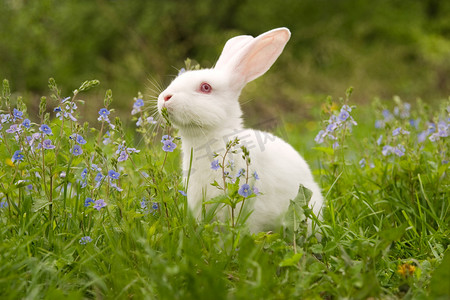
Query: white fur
[[206, 122]]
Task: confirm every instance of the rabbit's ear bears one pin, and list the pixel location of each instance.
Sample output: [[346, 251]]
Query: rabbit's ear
[[254, 57], [231, 48]]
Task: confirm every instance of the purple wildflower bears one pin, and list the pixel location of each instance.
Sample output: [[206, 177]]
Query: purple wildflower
[[85, 239], [88, 202], [47, 144], [99, 204], [113, 174], [17, 114], [169, 146], [17, 156], [76, 150], [84, 173], [103, 114], [26, 123], [123, 156], [45, 129], [245, 190], [215, 164]]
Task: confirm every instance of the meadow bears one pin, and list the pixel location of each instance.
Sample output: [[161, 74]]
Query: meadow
[[98, 210]]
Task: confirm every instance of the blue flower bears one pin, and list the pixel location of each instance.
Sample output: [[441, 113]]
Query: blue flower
[[255, 190], [155, 206], [399, 150], [47, 144], [143, 204], [215, 164], [113, 174], [88, 202], [379, 124], [57, 110], [151, 120], [13, 128], [240, 173], [17, 156], [320, 136], [434, 137], [99, 204], [255, 175], [98, 177], [133, 150], [343, 115], [169, 146], [103, 114], [80, 140], [431, 128], [362, 163], [84, 173], [182, 193], [398, 131], [346, 108], [94, 167], [245, 190], [3, 204], [331, 127], [26, 123], [6, 118], [139, 102], [123, 156], [182, 70], [443, 129], [421, 137], [85, 239], [166, 138], [387, 149], [45, 129], [76, 150], [387, 115], [17, 114], [113, 185], [379, 140]]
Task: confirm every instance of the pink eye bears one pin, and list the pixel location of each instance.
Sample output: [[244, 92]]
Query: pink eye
[[205, 88]]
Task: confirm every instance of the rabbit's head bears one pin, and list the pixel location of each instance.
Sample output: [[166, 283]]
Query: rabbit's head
[[208, 99]]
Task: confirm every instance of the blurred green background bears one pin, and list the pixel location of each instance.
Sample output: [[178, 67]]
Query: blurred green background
[[381, 48]]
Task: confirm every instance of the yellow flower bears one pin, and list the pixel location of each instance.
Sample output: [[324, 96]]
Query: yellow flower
[[9, 162], [406, 270]]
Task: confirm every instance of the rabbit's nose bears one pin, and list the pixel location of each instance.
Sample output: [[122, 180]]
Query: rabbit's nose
[[167, 97]]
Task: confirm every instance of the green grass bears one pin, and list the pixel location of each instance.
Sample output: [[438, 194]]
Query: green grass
[[384, 233]]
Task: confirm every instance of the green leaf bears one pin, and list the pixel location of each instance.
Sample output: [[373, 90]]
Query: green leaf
[[88, 84], [292, 260], [219, 199], [439, 287], [295, 215]]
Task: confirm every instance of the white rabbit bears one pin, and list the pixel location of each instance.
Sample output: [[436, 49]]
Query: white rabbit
[[203, 105]]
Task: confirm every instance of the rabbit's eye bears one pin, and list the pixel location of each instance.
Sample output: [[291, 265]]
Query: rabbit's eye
[[205, 88]]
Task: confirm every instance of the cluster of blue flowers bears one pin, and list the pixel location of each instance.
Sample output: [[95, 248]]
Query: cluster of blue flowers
[[138, 109], [85, 240], [245, 190], [98, 204], [66, 111], [401, 113], [154, 207], [336, 124], [124, 152]]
